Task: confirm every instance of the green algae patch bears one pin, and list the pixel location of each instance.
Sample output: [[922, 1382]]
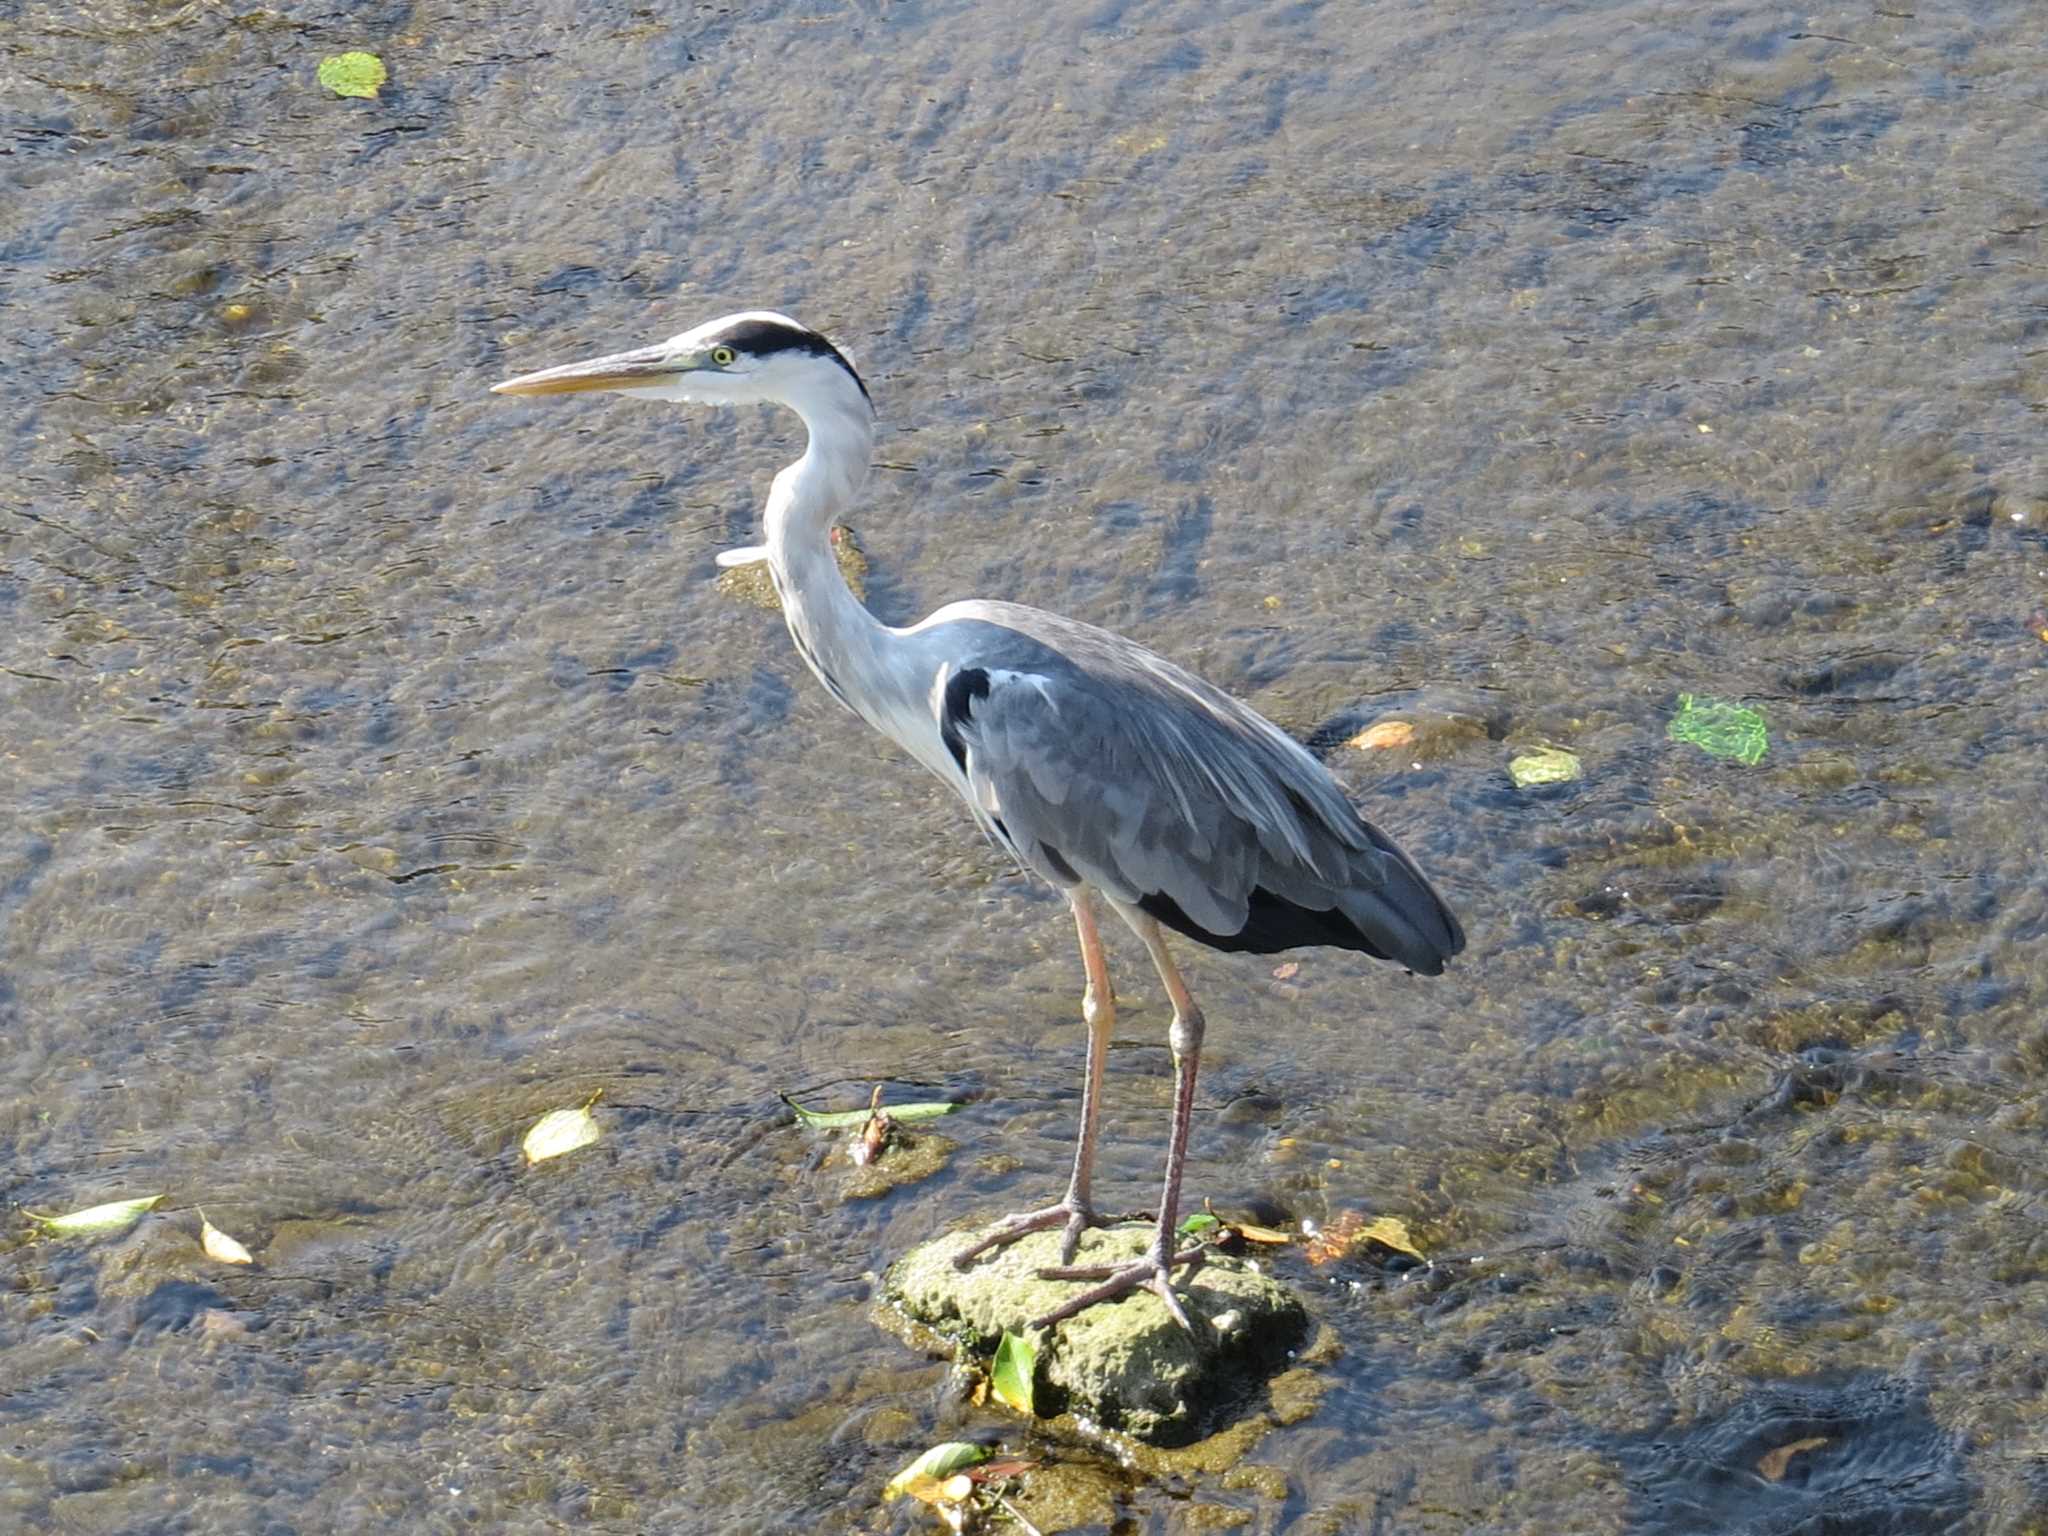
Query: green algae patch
[[1125, 1365], [1720, 728], [1071, 1495], [354, 74]]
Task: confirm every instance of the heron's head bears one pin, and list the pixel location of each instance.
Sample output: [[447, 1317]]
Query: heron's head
[[741, 359]]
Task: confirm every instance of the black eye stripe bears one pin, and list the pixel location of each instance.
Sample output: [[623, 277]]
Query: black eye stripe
[[765, 338]]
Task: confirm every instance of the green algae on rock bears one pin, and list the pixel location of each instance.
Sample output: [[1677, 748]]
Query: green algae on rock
[[909, 1159], [1545, 765], [1125, 1365]]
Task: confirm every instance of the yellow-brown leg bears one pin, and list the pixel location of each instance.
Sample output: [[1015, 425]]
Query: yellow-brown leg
[[1098, 1010], [1154, 1271]]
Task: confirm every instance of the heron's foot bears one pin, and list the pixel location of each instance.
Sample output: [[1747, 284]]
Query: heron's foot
[[1076, 1216], [1152, 1273]]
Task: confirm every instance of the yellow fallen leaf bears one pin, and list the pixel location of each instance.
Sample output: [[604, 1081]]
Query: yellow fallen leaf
[[219, 1246], [559, 1131], [1384, 734], [1252, 1234], [1390, 1232], [954, 1489]]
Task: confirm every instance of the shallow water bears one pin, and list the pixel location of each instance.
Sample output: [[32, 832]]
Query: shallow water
[[385, 769]]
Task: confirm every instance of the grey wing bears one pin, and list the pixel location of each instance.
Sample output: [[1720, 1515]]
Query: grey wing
[[1098, 762]]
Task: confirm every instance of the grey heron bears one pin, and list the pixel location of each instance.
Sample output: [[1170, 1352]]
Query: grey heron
[[1106, 770]]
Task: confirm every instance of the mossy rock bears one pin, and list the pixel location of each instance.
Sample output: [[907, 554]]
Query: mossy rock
[[911, 1156], [1123, 1365], [751, 583]]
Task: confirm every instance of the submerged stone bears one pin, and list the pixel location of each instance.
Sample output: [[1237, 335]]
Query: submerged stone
[[910, 1156], [751, 583], [1123, 1365]]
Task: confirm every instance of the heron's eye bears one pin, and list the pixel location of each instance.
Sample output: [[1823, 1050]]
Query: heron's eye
[[725, 357]]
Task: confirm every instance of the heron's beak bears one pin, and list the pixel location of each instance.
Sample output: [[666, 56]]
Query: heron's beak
[[622, 370]]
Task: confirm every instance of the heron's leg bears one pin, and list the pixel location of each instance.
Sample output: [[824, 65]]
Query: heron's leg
[[1098, 1009], [1154, 1271]]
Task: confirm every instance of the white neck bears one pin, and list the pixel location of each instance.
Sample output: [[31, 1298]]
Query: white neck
[[848, 647], [809, 493]]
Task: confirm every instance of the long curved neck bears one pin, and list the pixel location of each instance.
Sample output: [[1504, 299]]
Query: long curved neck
[[848, 647]]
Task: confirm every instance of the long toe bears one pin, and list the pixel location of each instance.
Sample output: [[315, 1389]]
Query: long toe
[[1150, 1273], [1077, 1223], [1075, 1218]]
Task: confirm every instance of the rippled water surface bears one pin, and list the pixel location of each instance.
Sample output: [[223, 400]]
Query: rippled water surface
[[382, 766]]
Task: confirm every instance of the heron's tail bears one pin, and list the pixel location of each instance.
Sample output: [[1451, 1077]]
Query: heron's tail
[[1387, 909], [1400, 916]]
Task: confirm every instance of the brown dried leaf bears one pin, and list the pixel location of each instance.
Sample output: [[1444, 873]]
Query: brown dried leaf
[[874, 1132], [873, 1137], [996, 1471], [1772, 1464], [1335, 1240], [1384, 734]]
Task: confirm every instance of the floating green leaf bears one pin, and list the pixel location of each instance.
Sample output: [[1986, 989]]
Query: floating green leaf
[[110, 1217], [559, 1131], [1015, 1368], [1721, 728], [839, 1119], [353, 74], [936, 1465], [1544, 765]]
